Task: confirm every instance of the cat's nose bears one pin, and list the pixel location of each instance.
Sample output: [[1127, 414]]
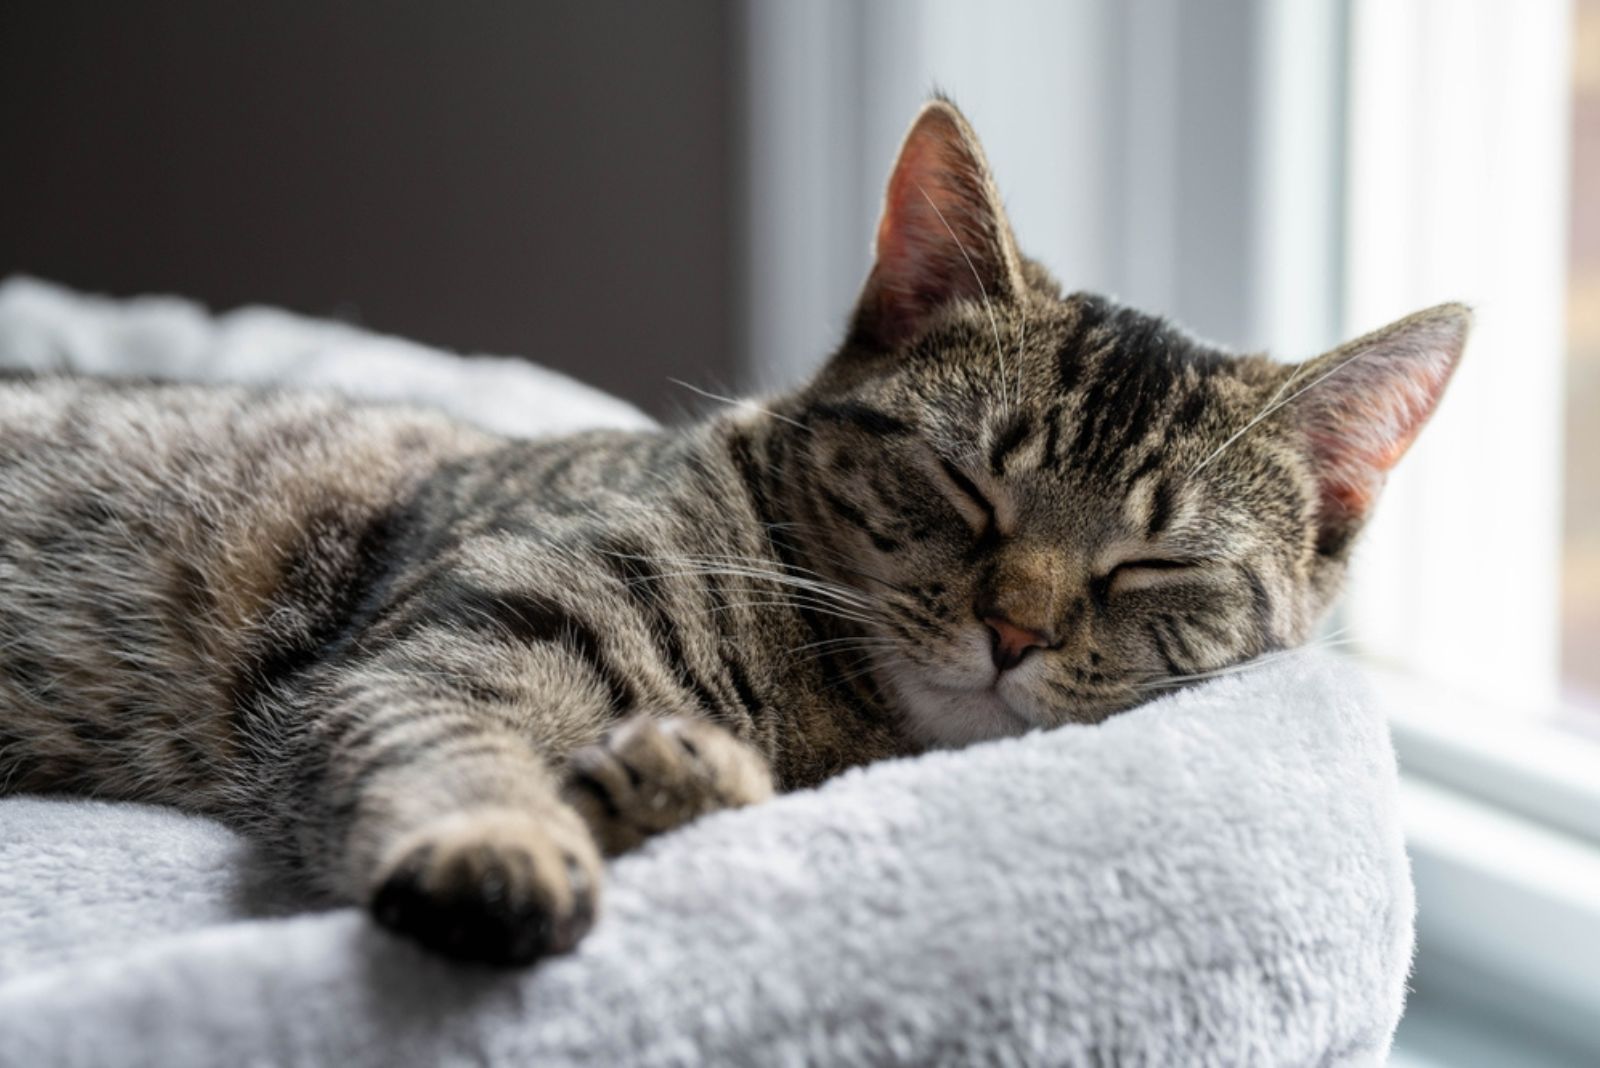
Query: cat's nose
[[1009, 643]]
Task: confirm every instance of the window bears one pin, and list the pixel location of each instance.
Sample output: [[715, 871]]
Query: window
[[1580, 564], [1471, 166], [1457, 190]]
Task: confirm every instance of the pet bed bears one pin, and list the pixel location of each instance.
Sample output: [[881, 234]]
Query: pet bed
[[1217, 877]]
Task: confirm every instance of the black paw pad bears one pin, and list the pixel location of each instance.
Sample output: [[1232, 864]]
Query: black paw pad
[[479, 909]]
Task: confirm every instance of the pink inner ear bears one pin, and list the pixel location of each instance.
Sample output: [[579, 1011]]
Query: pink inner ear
[[920, 266], [940, 238], [911, 232], [1349, 481], [1362, 417], [894, 229]]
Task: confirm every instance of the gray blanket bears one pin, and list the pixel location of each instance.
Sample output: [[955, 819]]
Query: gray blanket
[[1216, 878], [1213, 879]]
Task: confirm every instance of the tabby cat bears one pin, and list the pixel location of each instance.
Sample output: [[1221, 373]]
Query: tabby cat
[[442, 673]]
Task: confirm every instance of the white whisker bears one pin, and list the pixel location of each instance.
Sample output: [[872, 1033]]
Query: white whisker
[[1273, 405], [739, 402], [747, 567], [994, 324], [821, 608], [844, 643], [1175, 681]]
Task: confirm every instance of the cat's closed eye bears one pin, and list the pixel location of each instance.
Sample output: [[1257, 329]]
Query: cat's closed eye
[[1143, 572], [974, 504]]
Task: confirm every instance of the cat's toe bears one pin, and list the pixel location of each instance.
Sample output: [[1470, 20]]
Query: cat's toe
[[651, 775], [496, 887]]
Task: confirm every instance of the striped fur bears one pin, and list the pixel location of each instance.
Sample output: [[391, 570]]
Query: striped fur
[[441, 672]]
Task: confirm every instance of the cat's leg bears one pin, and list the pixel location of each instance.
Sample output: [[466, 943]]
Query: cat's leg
[[503, 884], [650, 775], [440, 815]]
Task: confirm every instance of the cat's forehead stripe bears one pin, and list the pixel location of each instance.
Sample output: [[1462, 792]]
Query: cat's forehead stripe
[[1007, 440]]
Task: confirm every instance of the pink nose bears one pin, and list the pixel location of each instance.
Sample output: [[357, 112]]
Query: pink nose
[[1010, 643]]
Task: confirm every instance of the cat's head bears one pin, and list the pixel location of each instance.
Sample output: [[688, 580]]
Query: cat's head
[[1055, 507]]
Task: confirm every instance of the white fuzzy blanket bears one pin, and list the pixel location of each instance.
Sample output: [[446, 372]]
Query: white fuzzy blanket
[[48, 328], [1215, 878]]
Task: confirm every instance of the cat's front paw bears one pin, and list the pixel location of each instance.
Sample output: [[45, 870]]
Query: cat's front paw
[[498, 886], [651, 775]]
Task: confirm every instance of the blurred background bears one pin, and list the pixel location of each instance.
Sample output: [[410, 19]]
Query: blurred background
[[639, 192], [556, 180]]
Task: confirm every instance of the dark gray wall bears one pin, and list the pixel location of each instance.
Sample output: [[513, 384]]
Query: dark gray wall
[[550, 179]]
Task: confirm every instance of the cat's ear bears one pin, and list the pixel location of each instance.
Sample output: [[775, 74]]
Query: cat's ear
[[943, 235], [1363, 404]]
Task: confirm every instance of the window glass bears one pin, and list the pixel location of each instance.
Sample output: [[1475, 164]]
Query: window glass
[[1581, 564]]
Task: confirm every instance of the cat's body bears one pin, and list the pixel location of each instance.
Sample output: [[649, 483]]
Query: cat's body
[[185, 554], [260, 606], [441, 672]]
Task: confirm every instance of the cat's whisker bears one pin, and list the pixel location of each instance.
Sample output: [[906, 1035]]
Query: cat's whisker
[[832, 556], [858, 613], [722, 558], [988, 306], [1170, 682], [1022, 355], [876, 665], [821, 643], [790, 603], [1273, 406], [757, 561], [863, 663], [840, 596], [739, 402], [843, 645], [849, 665], [1285, 385], [743, 567]]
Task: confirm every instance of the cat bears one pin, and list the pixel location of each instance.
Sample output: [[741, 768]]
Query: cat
[[443, 673]]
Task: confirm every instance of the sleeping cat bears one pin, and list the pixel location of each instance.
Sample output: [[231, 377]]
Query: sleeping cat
[[442, 673]]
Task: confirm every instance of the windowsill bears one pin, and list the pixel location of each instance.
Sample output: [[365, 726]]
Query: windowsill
[[1515, 761], [1502, 819], [1504, 893]]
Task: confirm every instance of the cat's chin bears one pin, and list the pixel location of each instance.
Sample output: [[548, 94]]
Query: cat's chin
[[953, 716]]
